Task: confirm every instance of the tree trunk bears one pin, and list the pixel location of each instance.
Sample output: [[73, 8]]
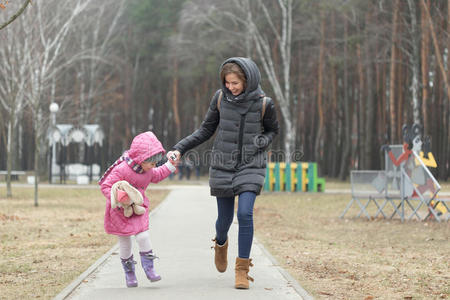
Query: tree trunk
[[176, 115], [289, 137], [9, 157], [436, 48], [384, 109], [379, 103], [320, 106], [360, 111], [347, 144], [334, 111], [197, 109], [128, 103], [354, 115], [36, 171], [370, 105], [444, 79], [447, 173], [399, 99], [280, 83], [393, 124], [300, 119], [37, 145], [424, 63], [414, 60], [443, 165]]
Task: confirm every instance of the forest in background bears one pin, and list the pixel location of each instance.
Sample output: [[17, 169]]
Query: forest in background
[[345, 74]]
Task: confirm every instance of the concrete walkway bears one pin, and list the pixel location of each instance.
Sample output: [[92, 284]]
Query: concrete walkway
[[181, 229]]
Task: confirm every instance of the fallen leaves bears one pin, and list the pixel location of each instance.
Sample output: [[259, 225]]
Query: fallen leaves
[[325, 293], [4, 217]]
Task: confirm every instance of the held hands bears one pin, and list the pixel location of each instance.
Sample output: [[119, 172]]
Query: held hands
[[174, 157]]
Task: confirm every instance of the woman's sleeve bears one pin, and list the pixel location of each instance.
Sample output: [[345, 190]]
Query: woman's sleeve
[[270, 122], [206, 130]]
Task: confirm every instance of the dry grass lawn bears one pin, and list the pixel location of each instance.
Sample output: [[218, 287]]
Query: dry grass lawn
[[349, 258], [45, 248]]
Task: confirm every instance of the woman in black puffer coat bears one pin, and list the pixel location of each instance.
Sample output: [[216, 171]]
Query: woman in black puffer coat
[[247, 123]]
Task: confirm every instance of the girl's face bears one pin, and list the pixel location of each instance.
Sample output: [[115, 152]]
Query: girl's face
[[148, 165], [234, 84]]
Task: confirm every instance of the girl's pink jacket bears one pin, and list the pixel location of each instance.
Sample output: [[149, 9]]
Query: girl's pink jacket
[[143, 146]]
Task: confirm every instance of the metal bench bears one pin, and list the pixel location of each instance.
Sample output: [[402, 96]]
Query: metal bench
[[373, 187]]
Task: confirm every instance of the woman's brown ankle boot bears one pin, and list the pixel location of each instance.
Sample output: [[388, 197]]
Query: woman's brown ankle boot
[[242, 267], [220, 256]]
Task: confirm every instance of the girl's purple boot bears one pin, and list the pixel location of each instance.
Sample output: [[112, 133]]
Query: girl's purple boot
[[128, 267], [147, 259]]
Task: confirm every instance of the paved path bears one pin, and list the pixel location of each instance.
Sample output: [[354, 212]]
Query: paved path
[[181, 229]]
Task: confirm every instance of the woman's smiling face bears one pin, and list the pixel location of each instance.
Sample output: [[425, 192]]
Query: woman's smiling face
[[234, 84]]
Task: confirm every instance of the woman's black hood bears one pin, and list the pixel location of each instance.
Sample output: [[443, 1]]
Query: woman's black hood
[[253, 89]]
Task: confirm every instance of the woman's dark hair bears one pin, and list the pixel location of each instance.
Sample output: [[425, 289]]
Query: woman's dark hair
[[233, 68]]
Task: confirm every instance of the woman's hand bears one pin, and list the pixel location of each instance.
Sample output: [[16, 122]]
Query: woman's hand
[[174, 157]]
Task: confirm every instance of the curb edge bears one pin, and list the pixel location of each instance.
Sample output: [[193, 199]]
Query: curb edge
[[292, 281]]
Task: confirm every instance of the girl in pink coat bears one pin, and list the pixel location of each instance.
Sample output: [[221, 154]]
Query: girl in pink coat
[[137, 166]]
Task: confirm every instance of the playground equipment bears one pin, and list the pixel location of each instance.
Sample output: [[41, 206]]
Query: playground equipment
[[405, 188], [293, 177]]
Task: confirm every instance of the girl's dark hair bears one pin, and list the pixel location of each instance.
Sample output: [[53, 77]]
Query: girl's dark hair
[[155, 158], [233, 68]]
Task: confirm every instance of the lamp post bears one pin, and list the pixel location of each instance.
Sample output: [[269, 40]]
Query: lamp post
[[54, 107]]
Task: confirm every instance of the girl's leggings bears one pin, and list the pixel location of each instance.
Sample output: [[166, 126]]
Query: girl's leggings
[[225, 207], [125, 246]]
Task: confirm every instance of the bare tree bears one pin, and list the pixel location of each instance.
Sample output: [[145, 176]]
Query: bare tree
[[48, 35], [13, 73], [100, 27], [96, 43], [280, 82], [263, 29]]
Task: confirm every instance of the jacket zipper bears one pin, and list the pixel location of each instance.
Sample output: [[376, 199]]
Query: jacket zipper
[[240, 141]]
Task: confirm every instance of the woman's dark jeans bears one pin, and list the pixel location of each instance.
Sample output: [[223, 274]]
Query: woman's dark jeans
[[225, 208]]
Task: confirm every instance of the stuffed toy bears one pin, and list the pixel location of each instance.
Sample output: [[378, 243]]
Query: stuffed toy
[[124, 195]]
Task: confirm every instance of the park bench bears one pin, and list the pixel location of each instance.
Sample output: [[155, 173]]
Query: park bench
[[14, 174]]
